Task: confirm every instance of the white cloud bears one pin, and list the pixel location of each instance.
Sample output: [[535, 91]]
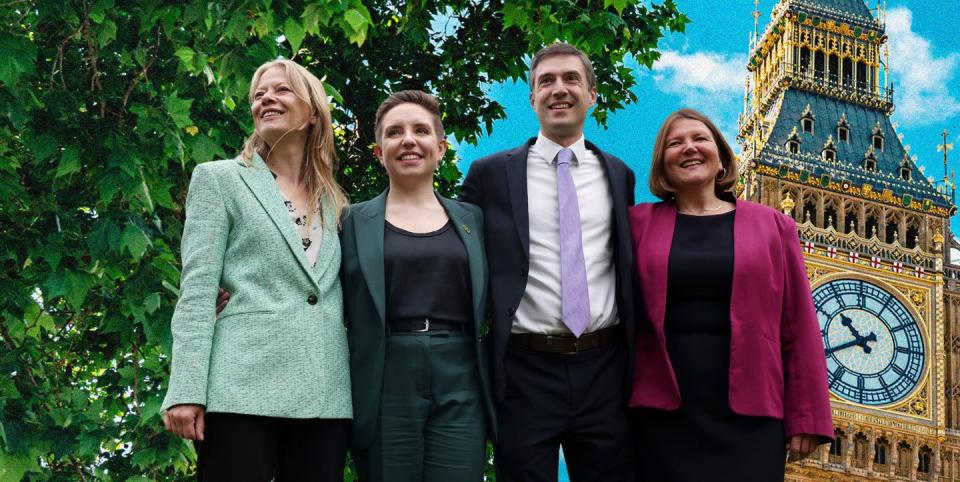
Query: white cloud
[[920, 79], [710, 82]]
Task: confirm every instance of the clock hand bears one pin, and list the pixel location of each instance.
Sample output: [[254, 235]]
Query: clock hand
[[862, 341], [847, 322], [846, 345]]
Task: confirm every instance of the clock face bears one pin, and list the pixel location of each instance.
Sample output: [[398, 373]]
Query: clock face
[[872, 343]]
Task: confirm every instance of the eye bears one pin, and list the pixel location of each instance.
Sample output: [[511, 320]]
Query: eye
[[257, 95], [283, 89], [392, 132], [423, 130]]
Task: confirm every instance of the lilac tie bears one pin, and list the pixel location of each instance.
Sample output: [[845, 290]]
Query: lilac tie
[[574, 299]]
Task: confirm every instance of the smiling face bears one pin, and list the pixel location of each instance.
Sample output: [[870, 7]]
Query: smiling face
[[691, 158], [278, 113], [409, 147], [561, 97]]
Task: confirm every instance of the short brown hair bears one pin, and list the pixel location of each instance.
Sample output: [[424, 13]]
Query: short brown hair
[[561, 48], [417, 97], [660, 187]]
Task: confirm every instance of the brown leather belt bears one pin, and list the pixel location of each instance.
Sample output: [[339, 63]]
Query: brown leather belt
[[425, 325], [565, 344]]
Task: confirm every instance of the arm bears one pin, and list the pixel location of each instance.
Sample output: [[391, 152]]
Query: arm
[[807, 413], [202, 250]]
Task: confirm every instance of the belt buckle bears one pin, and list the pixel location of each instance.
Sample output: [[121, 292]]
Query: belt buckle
[[426, 326], [576, 348]]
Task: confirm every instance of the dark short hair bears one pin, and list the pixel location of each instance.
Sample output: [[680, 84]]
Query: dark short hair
[[561, 48], [660, 187], [417, 97]]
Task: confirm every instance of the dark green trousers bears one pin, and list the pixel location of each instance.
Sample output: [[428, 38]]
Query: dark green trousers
[[432, 423]]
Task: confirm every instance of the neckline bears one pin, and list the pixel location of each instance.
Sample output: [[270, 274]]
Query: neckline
[[404, 232], [707, 215]]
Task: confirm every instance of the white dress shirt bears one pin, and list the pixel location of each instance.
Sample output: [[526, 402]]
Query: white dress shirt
[[540, 309]]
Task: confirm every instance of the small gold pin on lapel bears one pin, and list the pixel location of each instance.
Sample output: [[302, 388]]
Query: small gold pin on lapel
[[466, 228]]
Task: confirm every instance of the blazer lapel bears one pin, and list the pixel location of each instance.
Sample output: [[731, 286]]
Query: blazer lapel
[[369, 225], [516, 165], [657, 245], [260, 181], [467, 227]]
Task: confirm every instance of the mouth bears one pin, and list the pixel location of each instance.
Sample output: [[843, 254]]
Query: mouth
[[409, 157], [691, 163], [269, 113], [561, 106]]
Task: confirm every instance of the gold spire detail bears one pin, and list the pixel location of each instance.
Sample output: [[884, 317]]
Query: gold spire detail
[[787, 204]]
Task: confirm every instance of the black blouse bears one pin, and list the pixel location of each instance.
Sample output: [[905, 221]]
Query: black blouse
[[426, 274]]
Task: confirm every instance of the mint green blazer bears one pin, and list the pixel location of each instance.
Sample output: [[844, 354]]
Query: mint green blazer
[[365, 305], [279, 348]]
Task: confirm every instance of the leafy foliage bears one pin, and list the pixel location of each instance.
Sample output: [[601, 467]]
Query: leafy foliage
[[109, 105]]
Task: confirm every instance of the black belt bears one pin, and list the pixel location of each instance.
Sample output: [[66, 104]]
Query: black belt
[[566, 344], [425, 324]]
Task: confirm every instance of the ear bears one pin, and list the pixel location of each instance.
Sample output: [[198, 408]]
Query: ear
[[532, 98], [378, 152], [593, 96], [442, 149]]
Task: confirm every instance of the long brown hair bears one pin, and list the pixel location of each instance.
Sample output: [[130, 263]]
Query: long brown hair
[[318, 171], [660, 187]]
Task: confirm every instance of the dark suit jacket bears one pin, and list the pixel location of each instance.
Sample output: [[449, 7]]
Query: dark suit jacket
[[364, 304], [777, 367], [498, 184]]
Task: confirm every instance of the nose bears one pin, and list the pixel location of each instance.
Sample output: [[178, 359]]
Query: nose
[[689, 146], [407, 139]]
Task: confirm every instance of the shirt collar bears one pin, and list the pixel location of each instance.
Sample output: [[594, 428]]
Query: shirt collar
[[549, 149]]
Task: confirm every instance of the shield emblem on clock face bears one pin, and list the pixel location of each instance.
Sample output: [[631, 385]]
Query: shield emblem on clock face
[[873, 344]]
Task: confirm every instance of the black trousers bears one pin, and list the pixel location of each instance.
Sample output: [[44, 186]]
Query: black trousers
[[574, 401], [249, 448]]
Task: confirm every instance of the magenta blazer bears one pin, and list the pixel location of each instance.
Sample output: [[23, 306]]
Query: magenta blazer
[[777, 362]]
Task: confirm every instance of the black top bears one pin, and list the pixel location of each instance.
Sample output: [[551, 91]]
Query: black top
[[697, 328], [426, 274]]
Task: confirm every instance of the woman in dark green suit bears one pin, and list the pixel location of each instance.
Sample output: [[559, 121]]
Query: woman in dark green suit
[[414, 277]]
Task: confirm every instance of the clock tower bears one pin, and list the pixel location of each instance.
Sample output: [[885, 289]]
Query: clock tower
[[818, 144]]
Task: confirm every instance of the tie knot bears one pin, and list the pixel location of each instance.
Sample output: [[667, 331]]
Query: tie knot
[[564, 156]]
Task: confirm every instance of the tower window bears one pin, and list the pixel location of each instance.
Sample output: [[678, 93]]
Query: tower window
[[878, 143], [843, 134], [829, 155], [905, 173], [870, 164], [924, 463], [793, 147], [880, 451], [807, 125]]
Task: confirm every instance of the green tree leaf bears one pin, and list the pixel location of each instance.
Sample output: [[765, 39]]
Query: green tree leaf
[[69, 162], [294, 32]]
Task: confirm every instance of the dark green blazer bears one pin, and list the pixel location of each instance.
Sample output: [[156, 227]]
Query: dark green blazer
[[365, 304]]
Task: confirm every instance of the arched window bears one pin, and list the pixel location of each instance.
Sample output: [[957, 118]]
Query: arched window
[[793, 147], [834, 68], [904, 459], [850, 217], [861, 450], [829, 217], [892, 234], [843, 134], [846, 74], [836, 446], [923, 465], [810, 211], [872, 226], [876, 138], [807, 124], [880, 448]]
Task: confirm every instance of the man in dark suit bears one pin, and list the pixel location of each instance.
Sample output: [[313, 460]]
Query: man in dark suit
[[559, 254]]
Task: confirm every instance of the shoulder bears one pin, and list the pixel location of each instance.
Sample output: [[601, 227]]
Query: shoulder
[[645, 210], [768, 218], [222, 166], [501, 156]]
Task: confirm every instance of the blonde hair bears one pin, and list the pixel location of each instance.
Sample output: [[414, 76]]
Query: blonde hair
[[319, 169], [660, 187]]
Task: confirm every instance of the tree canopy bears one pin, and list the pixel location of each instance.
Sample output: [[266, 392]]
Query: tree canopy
[[109, 105]]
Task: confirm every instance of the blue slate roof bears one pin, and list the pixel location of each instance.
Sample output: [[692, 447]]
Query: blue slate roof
[[854, 12], [862, 121]]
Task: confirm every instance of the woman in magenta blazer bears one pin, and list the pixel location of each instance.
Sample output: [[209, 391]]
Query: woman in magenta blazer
[[730, 376]]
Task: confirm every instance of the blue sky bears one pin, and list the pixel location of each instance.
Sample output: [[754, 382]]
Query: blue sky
[[704, 68]]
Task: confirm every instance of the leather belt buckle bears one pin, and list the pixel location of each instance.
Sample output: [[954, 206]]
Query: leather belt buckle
[[576, 348]]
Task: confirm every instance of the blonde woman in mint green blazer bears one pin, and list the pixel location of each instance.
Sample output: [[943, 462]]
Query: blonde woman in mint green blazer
[[264, 389]]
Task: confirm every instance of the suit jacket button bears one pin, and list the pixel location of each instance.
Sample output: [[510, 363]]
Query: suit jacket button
[[312, 299]]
